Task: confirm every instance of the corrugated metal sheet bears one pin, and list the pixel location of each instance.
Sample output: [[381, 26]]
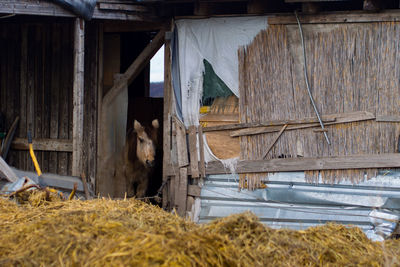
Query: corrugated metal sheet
[[290, 202]]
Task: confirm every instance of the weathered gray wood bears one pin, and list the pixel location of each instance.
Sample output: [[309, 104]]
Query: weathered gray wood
[[124, 7], [274, 141], [340, 118], [202, 166], [43, 144], [78, 96], [337, 17], [23, 91], [136, 67], [46, 8], [99, 178], [193, 153], [194, 190], [167, 129], [308, 164], [387, 118], [181, 143], [263, 124], [8, 173], [182, 191]]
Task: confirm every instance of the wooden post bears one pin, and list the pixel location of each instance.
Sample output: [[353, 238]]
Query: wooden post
[[99, 104], [167, 131], [78, 93], [194, 158]]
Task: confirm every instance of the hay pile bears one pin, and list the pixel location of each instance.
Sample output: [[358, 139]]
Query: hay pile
[[119, 233]]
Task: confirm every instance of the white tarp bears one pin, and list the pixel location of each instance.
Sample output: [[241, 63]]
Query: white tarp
[[217, 40]]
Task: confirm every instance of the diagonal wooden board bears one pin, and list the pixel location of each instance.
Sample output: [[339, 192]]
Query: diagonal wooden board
[[340, 118]]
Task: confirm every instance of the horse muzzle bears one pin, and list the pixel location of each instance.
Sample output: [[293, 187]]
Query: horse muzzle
[[149, 163]]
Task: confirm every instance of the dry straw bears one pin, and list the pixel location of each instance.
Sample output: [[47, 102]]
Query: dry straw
[[105, 232], [352, 67]]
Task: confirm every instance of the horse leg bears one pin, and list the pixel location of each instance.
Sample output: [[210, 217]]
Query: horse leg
[[142, 188]]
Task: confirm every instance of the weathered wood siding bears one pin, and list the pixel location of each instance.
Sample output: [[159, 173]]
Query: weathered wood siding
[[36, 65]]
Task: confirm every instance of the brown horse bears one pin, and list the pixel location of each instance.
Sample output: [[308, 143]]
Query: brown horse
[[136, 163]]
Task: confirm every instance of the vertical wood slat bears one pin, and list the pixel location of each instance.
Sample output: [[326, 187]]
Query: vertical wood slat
[[166, 118], [181, 143], [202, 166], [65, 96], [23, 92], [78, 95], [182, 191], [99, 101], [30, 94], [193, 153]]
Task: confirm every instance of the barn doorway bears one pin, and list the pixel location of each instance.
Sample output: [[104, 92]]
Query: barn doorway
[[144, 104]]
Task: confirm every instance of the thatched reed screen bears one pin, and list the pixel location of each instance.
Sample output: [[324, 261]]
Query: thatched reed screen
[[352, 67]]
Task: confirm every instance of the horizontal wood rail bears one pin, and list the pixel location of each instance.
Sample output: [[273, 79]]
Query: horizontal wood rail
[[388, 160], [59, 145]]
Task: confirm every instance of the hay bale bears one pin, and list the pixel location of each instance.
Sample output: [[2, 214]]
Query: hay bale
[[129, 232]]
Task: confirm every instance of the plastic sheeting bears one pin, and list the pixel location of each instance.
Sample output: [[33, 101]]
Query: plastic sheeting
[[216, 40], [83, 8]]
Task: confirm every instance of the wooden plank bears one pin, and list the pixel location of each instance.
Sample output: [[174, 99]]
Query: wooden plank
[[340, 118], [220, 118], [136, 67], [99, 178], [78, 95], [263, 124], [387, 118], [182, 191], [43, 144], [194, 190], [23, 92], [9, 137], [274, 141], [181, 143], [30, 94], [8, 173], [167, 129], [46, 8], [338, 17], [202, 166], [308, 164], [124, 7], [193, 153]]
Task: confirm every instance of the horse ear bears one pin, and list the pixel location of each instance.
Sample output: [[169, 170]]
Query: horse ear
[[155, 123], [137, 126]]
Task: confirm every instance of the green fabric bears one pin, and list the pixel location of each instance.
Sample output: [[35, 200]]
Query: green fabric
[[213, 86]]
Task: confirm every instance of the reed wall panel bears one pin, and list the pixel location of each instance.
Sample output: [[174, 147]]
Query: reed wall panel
[[351, 67]]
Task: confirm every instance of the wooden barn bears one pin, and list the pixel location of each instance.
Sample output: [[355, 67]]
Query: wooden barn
[[278, 107]]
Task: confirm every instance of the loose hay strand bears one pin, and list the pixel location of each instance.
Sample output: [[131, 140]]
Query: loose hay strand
[[129, 232]]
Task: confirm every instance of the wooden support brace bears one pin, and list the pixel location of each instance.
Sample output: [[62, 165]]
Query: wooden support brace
[[136, 67], [78, 94], [274, 141]]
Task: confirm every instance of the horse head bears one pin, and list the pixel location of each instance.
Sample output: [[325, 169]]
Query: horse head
[[146, 141]]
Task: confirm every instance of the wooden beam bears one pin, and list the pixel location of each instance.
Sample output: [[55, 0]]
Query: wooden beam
[[78, 94], [274, 141], [100, 178], [310, 164], [387, 118], [60, 145], [337, 17], [132, 26], [136, 67], [47, 8], [124, 7], [237, 126], [340, 118], [167, 129], [194, 190]]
